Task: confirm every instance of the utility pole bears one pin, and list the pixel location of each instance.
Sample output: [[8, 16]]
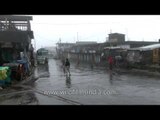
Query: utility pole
[[35, 44], [110, 31], [127, 34], [59, 40]]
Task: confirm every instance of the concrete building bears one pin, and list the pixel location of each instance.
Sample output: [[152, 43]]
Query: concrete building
[[116, 37]]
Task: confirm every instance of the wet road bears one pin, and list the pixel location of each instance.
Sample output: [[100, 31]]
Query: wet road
[[85, 86]]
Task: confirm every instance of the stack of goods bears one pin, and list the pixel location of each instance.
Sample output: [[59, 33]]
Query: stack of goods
[[5, 76]]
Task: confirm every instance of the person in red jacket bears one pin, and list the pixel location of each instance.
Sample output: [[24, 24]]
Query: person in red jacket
[[110, 61]]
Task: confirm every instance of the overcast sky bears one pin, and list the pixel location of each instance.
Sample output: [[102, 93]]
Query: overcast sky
[[70, 28]]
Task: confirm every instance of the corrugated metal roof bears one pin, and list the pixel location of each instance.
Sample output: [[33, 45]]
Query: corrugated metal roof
[[85, 42], [112, 47], [148, 47]]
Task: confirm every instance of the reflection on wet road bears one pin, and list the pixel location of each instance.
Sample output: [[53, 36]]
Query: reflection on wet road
[[86, 85]]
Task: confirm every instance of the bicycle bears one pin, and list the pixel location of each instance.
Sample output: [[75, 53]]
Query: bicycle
[[67, 71]]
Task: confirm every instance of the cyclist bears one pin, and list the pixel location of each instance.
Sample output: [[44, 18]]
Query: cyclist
[[67, 65], [63, 64]]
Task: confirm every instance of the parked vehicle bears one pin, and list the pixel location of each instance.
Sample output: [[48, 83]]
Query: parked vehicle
[[42, 56]]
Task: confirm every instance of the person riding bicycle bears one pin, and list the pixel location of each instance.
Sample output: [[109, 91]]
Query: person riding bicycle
[[63, 64], [67, 65]]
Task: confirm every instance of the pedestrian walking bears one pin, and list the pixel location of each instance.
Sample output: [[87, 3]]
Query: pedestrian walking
[[110, 61]]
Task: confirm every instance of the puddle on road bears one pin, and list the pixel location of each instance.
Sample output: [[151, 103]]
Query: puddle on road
[[42, 71], [82, 77]]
